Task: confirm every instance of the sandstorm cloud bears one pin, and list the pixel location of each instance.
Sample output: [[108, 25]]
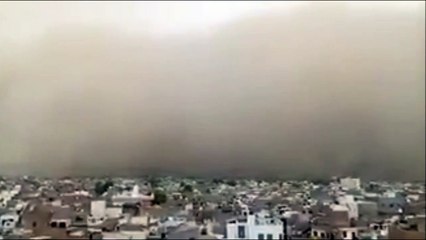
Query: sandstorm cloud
[[323, 90]]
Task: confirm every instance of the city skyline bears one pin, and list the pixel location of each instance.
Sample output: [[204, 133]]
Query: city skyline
[[244, 89]]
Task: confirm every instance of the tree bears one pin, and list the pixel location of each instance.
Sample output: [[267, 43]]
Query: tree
[[217, 181], [153, 182], [102, 187], [320, 181], [187, 188], [200, 181], [231, 183], [160, 197]]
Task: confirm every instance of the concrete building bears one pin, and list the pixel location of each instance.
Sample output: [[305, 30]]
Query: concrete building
[[61, 218], [97, 212], [350, 183], [8, 221], [367, 209], [329, 232], [410, 228], [392, 203], [254, 226], [348, 233], [98, 209], [133, 196], [171, 222], [7, 195], [349, 202]]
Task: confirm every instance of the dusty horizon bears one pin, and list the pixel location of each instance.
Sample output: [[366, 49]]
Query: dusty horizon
[[320, 90]]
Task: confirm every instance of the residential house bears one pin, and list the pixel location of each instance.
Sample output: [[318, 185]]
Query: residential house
[[391, 203], [349, 183], [352, 206], [62, 217], [133, 196], [8, 221], [367, 209], [410, 228], [254, 226]]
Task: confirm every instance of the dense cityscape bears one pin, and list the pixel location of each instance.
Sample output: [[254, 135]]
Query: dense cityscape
[[263, 120], [190, 208]]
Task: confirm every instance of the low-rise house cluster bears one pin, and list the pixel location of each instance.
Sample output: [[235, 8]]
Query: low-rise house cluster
[[176, 208]]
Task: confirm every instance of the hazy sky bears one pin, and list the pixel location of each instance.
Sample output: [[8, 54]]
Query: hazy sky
[[290, 89]]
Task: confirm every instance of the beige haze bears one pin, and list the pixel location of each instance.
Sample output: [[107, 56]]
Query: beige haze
[[321, 90]]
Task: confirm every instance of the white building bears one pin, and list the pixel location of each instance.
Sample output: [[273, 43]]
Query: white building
[[7, 195], [348, 233], [99, 212], [125, 235], [171, 222], [350, 183], [133, 196], [352, 206], [254, 226], [98, 209], [8, 221]]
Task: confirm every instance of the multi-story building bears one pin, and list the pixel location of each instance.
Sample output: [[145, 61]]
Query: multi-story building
[[254, 226], [350, 183]]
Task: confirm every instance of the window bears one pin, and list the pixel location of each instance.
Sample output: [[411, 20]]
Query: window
[[281, 237], [62, 225], [53, 224], [344, 234], [34, 224], [269, 237], [315, 233], [323, 235], [241, 232], [353, 235], [260, 236]]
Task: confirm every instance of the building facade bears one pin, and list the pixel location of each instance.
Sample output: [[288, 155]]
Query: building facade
[[254, 226]]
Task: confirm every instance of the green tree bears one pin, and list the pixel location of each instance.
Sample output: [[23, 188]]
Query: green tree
[[153, 182], [102, 187], [160, 197], [320, 181], [217, 181], [231, 183], [187, 188]]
